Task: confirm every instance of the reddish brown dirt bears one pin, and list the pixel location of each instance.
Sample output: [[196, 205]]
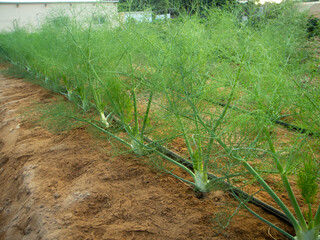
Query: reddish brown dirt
[[63, 186]]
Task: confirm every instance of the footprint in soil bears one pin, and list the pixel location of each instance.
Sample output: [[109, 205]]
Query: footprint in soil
[[3, 160]]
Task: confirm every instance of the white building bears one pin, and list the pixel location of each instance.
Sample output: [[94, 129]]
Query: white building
[[313, 8], [32, 13], [137, 16]]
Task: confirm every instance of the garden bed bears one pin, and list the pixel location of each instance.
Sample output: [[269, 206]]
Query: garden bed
[[74, 186], [236, 99]]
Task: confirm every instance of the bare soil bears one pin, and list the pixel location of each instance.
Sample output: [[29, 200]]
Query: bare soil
[[64, 186]]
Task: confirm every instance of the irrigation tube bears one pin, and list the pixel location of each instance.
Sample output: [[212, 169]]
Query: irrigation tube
[[284, 124], [234, 190], [296, 128]]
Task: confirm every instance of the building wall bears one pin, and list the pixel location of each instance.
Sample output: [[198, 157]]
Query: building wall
[[138, 16], [313, 8], [32, 15], [141, 16]]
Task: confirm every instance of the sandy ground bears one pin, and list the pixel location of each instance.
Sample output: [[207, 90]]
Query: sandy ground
[[64, 186]]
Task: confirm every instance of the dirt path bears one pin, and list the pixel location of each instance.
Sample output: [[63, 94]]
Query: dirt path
[[63, 186]]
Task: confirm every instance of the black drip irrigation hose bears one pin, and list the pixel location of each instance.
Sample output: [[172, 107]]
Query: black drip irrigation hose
[[284, 124], [233, 190], [296, 128]]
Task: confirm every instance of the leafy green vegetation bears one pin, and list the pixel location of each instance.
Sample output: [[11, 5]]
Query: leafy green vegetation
[[213, 84]]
